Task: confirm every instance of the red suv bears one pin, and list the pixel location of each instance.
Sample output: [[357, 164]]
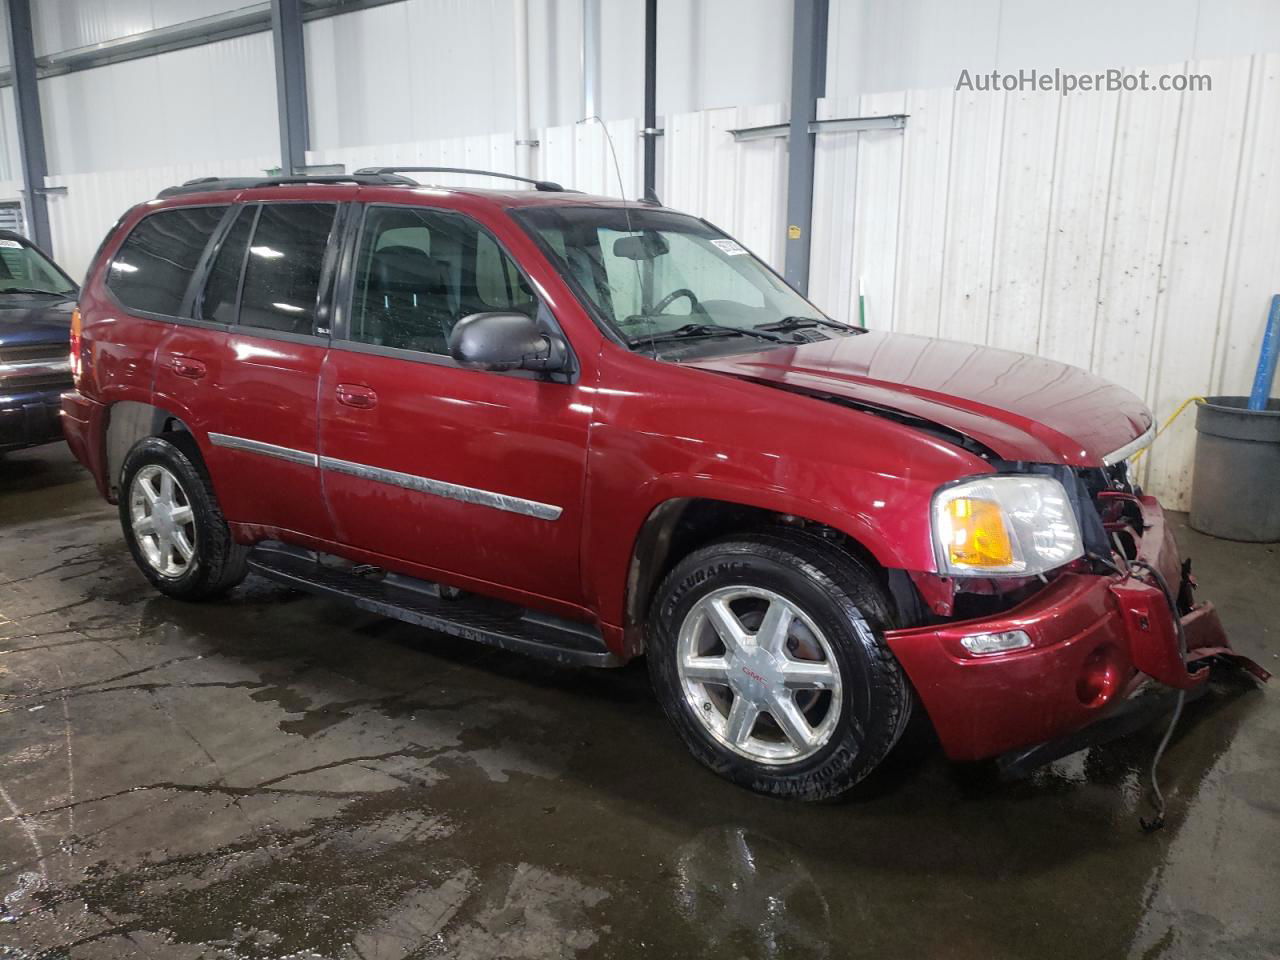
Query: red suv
[[585, 429]]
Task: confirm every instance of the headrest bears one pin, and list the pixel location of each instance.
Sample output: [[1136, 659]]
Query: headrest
[[403, 269]]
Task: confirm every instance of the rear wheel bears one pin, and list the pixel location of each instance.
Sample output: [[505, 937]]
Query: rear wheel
[[172, 522], [767, 656]]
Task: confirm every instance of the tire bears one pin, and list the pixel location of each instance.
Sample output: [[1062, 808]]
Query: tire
[[860, 701], [170, 466]]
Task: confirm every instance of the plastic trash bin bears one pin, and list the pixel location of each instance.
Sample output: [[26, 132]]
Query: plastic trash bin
[[1235, 491]]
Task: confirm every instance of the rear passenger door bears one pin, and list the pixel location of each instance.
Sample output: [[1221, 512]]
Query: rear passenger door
[[270, 282], [474, 475], [154, 275]]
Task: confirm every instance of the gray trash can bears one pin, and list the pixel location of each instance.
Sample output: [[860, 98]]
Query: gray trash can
[[1235, 492]]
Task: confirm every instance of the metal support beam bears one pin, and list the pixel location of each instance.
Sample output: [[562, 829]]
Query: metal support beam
[[590, 59], [26, 97], [291, 84], [650, 132], [808, 83], [241, 22]]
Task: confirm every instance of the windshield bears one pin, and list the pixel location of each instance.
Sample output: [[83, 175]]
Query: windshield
[[24, 269], [656, 276]]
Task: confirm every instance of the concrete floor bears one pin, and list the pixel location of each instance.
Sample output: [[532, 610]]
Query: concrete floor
[[279, 776]]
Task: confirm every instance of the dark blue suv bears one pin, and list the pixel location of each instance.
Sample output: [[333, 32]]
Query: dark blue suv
[[36, 301]]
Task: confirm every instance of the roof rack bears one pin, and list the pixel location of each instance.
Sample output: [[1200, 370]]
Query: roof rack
[[548, 185], [209, 184]]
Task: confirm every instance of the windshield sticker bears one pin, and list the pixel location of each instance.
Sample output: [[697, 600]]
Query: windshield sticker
[[731, 247], [10, 244]]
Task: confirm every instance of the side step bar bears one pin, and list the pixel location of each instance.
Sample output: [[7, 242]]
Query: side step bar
[[424, 604]]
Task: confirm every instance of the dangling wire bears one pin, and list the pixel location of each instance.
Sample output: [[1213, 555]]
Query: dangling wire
[[1158, 802]]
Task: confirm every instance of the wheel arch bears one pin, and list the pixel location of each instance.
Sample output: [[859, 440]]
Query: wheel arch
[[129, 421], [678, 525]]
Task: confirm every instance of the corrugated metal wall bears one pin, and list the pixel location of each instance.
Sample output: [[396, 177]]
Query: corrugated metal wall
[[1134, 234]]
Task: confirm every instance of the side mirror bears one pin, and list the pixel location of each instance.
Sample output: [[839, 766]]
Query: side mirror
[[505, 341]]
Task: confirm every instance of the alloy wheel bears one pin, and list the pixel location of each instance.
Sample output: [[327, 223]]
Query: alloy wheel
[[759, 675], [162, 520]]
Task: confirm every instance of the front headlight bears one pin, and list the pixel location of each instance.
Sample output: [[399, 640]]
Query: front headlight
[[1020, 525]]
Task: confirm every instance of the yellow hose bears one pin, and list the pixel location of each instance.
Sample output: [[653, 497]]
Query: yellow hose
[[1165, 426]]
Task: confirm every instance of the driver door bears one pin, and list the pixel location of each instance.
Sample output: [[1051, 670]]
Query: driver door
[[473, 476]]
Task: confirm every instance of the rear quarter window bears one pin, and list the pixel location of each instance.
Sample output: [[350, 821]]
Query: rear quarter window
[[151, 271]]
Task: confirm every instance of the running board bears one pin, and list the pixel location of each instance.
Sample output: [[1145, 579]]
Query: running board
[[424, 604]]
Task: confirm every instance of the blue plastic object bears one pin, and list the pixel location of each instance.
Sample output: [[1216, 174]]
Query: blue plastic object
[[1267, 359]]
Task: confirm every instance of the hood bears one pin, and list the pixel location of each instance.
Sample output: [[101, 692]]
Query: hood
[[32, 320], [1019, 406]]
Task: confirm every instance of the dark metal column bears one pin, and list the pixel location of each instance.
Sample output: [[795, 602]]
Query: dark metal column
[[808, 84], [650, 133], [26, 97], [291, 84]]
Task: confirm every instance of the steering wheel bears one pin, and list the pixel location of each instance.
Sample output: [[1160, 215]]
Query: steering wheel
[[673, 296]]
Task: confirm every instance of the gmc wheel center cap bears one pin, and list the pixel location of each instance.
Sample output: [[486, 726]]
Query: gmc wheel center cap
[[755, 675]]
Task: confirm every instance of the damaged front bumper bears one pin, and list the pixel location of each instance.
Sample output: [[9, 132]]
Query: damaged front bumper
[[1098, 644]]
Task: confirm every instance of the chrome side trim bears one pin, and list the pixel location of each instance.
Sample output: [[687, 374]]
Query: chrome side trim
[[1130, 448], [439, 488], [266, 449]]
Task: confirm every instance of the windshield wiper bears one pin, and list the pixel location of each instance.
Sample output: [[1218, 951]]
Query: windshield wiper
[[706, 330], [46, 293], [794, 323]]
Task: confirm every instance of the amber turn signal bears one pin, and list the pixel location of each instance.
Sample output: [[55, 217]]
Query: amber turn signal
[[978, 535]]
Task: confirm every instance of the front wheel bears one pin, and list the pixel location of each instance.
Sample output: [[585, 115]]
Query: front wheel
[[172, 522], [765, 653]]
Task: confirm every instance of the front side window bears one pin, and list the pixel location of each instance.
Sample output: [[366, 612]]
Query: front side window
[[419, 272], [655, 276], [282, 274], [24, 269], [154, 265]]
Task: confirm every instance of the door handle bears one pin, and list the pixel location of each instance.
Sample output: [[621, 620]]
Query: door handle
[[188, 367], [358, 396]]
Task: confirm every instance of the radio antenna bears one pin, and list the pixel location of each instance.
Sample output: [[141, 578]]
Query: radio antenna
[[626, 209]]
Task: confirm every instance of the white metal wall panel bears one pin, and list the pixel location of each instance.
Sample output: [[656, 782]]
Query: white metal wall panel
[[495, 151], [926, 153], [1132, 273], [867, 165], [972, 199], [66, 24], [1253, 273], [205, 103], [81, 217], [577, 156], [1188, 314], [885, 45], [739, 186], [1077, 221], [1132, 234], [835, 179]]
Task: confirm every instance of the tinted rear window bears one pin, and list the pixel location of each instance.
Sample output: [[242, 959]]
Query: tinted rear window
[[154, 265]]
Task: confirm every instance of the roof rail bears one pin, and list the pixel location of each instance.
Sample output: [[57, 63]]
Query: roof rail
[[209, 184], [547, 185]]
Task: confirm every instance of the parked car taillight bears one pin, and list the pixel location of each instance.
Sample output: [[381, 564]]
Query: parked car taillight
[[75, 345]]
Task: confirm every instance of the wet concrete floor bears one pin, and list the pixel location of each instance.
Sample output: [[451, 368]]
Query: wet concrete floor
[[274, 775]]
